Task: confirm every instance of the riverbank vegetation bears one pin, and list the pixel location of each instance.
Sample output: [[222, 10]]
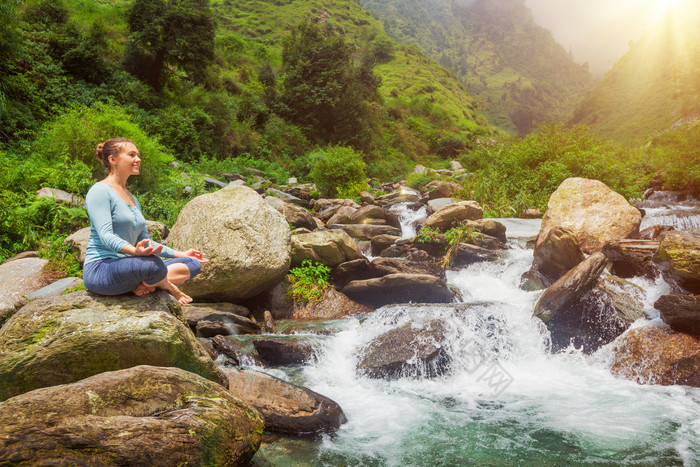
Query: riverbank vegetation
[[315, 90]]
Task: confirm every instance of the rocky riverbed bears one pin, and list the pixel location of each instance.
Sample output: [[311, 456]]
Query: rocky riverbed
[[572, 338]]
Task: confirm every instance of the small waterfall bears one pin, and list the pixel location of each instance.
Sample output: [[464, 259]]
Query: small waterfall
[[505, 399], [408, 217], [672, 208]]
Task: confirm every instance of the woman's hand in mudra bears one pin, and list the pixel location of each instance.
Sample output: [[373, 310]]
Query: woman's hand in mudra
[[196, 254], [145, 248]]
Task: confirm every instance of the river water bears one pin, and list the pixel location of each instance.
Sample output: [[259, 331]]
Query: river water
[[507, 400]]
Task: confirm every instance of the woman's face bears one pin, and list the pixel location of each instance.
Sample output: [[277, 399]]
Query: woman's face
[[129, 160]]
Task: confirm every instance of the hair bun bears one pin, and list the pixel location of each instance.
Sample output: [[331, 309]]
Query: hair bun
[[98, 151]]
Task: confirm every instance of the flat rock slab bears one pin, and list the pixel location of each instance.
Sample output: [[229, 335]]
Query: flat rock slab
[[56, 288], [681, 312], [399, 288], [71, 337], [139, 416], [656, 355], [286, 407], [19, 278]]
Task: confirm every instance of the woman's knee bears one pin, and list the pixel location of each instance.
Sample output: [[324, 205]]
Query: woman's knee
[[154, 269], [194, 266]]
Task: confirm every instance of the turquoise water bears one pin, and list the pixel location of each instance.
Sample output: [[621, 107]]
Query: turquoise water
[[507, 401]]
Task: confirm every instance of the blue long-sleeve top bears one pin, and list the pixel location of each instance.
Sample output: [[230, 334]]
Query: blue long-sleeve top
[[114, 224]]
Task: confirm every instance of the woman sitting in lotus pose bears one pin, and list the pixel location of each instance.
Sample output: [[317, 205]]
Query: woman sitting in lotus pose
[[120, 256]]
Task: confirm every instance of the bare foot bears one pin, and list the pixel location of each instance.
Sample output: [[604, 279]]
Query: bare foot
[[181, 297], [143, 289]]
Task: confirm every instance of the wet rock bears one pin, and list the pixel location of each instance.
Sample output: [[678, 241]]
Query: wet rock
[[488, 227], [466, 254], [268, 322], [631, 258], [220, 318], [19, 278], [587, 308], [533, 280], [382, 242], [139, 416], [247, 240], [64, 339], [395, 251], [364, 232], [386, 266], [656, 355], [447, 217], [334, 305], [486, 241], [654, 232], [556, 253], [406, 351], [237, 351], [358, 269], [681, 312], [330, 247], [399, 288], [679, 252], [592, 211], [284, 352], [286, 407]]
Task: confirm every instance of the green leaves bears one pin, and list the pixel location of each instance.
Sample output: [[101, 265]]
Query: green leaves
[[338, 171], [309, 282]]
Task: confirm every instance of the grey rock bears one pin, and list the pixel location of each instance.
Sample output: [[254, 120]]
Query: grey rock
[[55, 289], [19, 278], [61, 196]]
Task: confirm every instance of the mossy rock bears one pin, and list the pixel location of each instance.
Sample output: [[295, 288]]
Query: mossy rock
[[682, 253], [139, 416], [67, 338]]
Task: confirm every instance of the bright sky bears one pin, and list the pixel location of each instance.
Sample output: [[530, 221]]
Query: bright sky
[[599, 31]]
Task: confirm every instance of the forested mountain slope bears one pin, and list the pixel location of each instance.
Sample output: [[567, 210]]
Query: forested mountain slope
[[654, 86], [520, 73]]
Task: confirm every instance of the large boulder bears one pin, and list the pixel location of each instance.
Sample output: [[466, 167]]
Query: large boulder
[[557, 253], [657, 355], [631, 258], [681, 312], [330, 247], [447, 217], [139, 416], [488, 227], [247, 241], [373, 214], [406, 351], [286, 407], [679, 252], [297, 216], [399, 288], [588, 308], [434, 205], [592, 211], [439, 189], [78, 240], [68, 338], [19, 277]]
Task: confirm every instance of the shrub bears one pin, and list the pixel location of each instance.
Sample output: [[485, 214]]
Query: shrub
[[308, 282], [75, 134], [338, 171]]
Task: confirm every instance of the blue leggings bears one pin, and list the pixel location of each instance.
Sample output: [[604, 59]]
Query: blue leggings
[[116, 276]]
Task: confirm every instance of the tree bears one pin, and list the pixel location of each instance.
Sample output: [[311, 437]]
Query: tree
[[324, 92], [167, 34], [10, 40]]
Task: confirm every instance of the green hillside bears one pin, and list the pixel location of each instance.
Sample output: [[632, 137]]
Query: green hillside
[[521, 75], [653, 87]]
